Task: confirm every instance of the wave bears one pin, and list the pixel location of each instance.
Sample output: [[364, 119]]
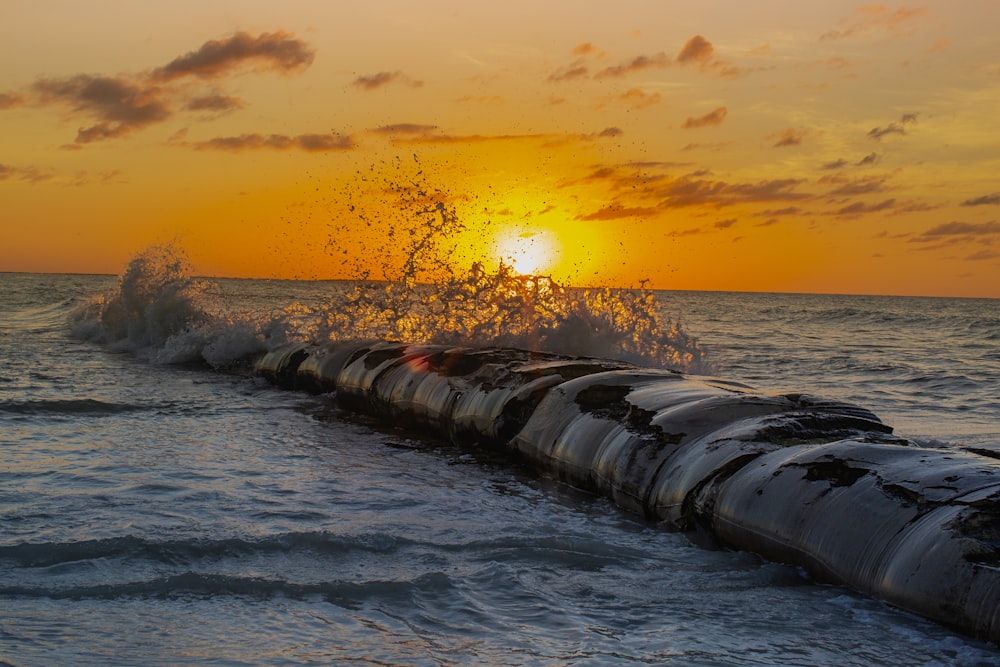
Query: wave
[[68, 407], [158, 310], [189, 551], [188, 585]]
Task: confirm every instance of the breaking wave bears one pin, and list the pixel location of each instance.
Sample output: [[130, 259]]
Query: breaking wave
[[159, 309]]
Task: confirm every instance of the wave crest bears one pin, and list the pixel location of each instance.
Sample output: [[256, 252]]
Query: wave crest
[[158, 308]]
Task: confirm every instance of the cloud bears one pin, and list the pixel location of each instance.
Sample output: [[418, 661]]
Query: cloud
[[902, 208], [611, 132], [958, 230], [773, 213], [23, 174], [636, 179], [480, 99], [586, 49], [861, 208], [381, 79], [311, 143], [618, 212], [983, 255], [867, 160], [120, 106], [985, 200], [699, 51], [686, 191], [696, 50], [895, 127], [214, 102], [116, 106], [10, 100], [636, 98], [939, 45], [690, 231], [716, 146], [850, 187], [871, 158], [278, 51], [725, 224], [871, 19], [445, 139], [570, 72], [714, 117], [789, 137], [404, 128], [577, 69], [637, 64], [639, 193]]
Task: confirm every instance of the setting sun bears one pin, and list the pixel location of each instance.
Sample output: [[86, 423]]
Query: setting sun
[[527, 252]]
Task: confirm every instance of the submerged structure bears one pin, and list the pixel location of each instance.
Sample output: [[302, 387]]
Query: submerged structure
[[819, 484]]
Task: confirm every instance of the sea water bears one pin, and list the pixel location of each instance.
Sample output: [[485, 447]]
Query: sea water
[[159, 506]]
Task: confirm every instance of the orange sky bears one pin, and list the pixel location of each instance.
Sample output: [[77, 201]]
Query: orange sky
[[769, 146]]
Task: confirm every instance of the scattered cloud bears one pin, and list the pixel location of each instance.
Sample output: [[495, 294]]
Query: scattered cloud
[[716, 146], [635, 98], [404, 128], [618, 212], [687, 191], [939, 45], [23, 174], [959, 231], [577, 69], [588, 49], [696, 50], [10, 100], [984, 254], [902, 208], [788, 137], [871, 158], [778, 212], [311, 143], [570, 72], [895, 127], [611, 132], [690, 231], [850, 187], [444, 139], [639, 184], [215, 102], [278, 51], [480, 99], [118, 105], [862, 208], [985, 200], [637, 64], [725, 224], [876, 19], [699, 51], [714, 117], [382, 79]]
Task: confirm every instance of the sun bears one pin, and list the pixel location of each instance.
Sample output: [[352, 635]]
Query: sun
[[527, 252]]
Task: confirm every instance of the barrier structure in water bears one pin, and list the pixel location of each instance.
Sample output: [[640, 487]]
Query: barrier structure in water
[[819, 484]]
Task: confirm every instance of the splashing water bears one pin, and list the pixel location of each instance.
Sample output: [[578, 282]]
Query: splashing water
[[158, 309]]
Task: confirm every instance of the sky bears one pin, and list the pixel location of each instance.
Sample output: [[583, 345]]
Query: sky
[[777, 146]]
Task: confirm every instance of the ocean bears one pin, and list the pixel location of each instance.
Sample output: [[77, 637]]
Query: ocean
[[159, 505]]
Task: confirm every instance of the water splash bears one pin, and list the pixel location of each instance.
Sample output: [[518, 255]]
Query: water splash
[[413, 289]]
